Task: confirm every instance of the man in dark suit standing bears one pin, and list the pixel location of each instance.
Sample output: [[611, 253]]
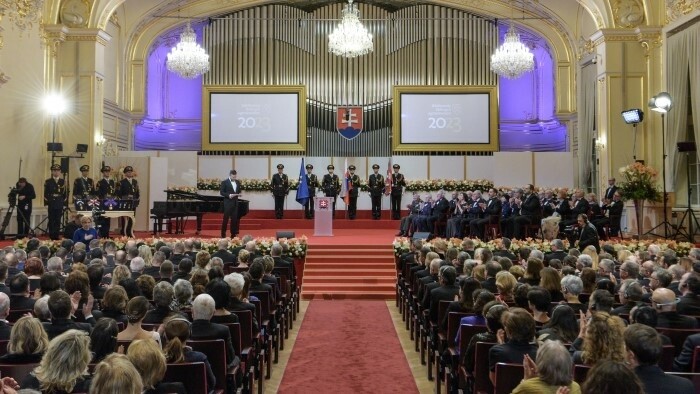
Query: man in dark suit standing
[[312, 183], [129, 190], [490, 209], [25, 195], [55, 196], [230, 190], [280, 188], [83, 186], [614, 210], [105, 189], [376, 190], [397, 183], [353, 181], [331, 185]]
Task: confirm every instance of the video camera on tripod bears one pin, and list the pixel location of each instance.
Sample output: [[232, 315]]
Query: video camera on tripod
[[12, 197]]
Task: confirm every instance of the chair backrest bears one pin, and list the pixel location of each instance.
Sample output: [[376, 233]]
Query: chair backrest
[[466, 333], [580, 372], [258, 311], [667, 354], [696, 359], [442, 310], [508, 376], [124, 343], [192, 375], [17, 371], [150, 327], [482, 383], [215, 350], [16, 314], [264, 297], [245, 319], [453, 319], [235, 331], [677, 336], [3, 347], [693, 377]]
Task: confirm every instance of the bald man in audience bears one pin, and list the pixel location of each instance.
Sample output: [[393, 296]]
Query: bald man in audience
[[5, 327], [664, 300]]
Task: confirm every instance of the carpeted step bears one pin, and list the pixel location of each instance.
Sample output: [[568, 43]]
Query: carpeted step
[[390, 287], [339, 272], [368, 262], [329, 279], [342, 295]]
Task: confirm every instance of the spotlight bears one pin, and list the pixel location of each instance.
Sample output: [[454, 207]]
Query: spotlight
[[54, 104], [661, 103], [633, 116]]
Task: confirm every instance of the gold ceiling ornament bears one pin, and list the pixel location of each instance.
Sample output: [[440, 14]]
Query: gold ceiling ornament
[[22, 13], [4, 78], [678, 8], [628, 13], [75, 13]]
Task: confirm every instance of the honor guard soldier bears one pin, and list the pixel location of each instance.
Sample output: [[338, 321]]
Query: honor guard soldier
[[331, 185], [280, 189], [312, 184], [354, 181], [106, 188], [397, 184], [25, 194], [55, 197], [83, 187], [376, 189], [129, 190]]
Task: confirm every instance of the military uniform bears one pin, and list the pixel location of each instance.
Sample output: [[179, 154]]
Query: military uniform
[[25, 195], [331, 186], [280, 188], [354, 180], [106, 188], [129, 190], [55, 196], [83, 187], [397, 183], [312, 183], [376, 189]]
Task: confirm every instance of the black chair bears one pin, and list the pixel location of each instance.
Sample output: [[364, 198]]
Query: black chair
[[678, 336], [580, 373], [192, 375], [215, 350], [482, 382], [17, 371], [17, 314], [508, 377]]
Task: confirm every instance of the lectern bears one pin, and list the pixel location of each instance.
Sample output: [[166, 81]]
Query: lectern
[[323, 218]]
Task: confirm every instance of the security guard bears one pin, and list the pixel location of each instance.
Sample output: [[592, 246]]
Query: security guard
[[354, 181], [280, 188], [312, 184], [83, 187], [397, 183], [376, 189], [55, 198], [129, 190], [331, 185], [105, 189]]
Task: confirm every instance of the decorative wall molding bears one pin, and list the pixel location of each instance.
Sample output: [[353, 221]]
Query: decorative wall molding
[[52, 36], [628, 13], [676, 9], [4, 78]]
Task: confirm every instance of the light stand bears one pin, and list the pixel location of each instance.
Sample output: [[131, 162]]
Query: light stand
[[662, 103], [687, 148], [634, 117]]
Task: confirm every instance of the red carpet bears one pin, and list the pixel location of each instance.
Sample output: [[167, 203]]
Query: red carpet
[[347, 347]]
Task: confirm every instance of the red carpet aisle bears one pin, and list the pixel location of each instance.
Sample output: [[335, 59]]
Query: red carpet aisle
[[347, 346]]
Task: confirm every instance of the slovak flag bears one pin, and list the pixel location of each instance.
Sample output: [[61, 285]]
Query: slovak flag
[[346, 186], [387, 181]]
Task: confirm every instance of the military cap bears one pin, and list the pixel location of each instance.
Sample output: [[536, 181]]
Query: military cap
[[309, 166], [85, 167], [330, 167], [280, 166], [375, 166], [55, 167], [396, 166], [128, 169], [106, 169], [351, 168]]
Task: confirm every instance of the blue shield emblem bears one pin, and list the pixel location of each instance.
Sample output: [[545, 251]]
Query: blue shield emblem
[[349, 121]]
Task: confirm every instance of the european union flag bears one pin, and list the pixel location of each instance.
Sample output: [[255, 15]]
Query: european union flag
[[303, 189]]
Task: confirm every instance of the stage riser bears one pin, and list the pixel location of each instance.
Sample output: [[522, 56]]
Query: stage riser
[[214, 223]]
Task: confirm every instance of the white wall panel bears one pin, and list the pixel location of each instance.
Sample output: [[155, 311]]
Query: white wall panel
[[413, 167], [513, 169], [554, 169], [480, 167], [446, 167], [255, 167], [182, 168], [215, 166]]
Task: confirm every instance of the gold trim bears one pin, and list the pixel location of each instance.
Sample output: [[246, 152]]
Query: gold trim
[[300, 146], [492, 146]]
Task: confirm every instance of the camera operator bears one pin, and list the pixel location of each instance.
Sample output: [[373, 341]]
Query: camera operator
[[24, 192]]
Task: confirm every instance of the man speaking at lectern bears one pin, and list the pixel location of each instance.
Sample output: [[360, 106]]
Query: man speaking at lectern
[[230, 191]]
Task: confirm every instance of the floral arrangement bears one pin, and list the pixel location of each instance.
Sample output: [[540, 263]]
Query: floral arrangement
[[639, 183], [402, 245], [447, 185], [296, 246], [255, 185]]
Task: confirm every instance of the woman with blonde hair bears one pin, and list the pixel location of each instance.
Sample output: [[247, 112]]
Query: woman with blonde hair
[[599, 339], [63, 369], [505, 282], [590, 251], [202, 260], [146, 254], [518, 271], [176, 332], [120, 273], [150, 363], [479, 272], [136, 310], [116, 375], [550, 280], [114, 304], [243, 256], [624, 254], [28, 342]]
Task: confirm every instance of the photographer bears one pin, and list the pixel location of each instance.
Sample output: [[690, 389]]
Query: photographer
[[24, 194]]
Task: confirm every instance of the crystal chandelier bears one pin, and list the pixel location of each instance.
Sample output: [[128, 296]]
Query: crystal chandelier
[[512, 58], [188, 59], [23, 13], [350, 38]]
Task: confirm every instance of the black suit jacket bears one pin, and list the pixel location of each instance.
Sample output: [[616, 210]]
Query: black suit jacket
[[589, 236], [610, 192], [427, 292], [684, 361], [654, 380], [531, 206], [225, 256], [442, 293], [689, 304], [106, 187], [490, 285], [59, 326], [226, 189], [204, 329], [235, 304], [259, 286], [675, 320], [280, 262], [505, 253], [29, 194], [558, 255], [581, 206], [5, 329], [20, 302], [493, 207], [440, 207]]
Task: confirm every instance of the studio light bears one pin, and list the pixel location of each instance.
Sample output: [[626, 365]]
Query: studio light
[[633, 116], [661, 103], [54, 104]]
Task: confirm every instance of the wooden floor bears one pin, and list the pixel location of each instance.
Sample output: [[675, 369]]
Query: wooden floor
[[419, 372]]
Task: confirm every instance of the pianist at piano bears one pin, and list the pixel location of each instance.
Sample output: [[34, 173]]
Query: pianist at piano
[[230, 191]]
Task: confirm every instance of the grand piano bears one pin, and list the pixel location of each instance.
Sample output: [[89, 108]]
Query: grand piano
[[181, 205]]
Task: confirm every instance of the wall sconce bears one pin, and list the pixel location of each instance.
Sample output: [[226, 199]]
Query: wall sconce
[[100, 141], [600, 144]]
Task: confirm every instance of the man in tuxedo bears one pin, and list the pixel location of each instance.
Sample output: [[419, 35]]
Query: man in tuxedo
[[557, 252], [129, 190], [580, 206], [440, 208], [397, 183], [230, 190], [547, 203], [376, 190], [588, 233], [354, 181], [614, 214], [202, 328], [105, 189], [413, 210], [664, 300], [473, 214], [689, 303], [312, 183], [610, 191], [420, 221], [529, 212], [490, 209], [280, 188], [83, 186], [331, 185], [55, 196], [25, 195]]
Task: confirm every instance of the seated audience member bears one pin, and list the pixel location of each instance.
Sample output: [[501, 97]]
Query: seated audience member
[[503, 249], [163, 297], [153, 269], [63, 368], [103, 339], [465, 304], [4, 311], [539, 302], [664, 300], [136, 310], [611, 377], [184, 270], [561, 327], [268, 277], [552, 370], [20, 299], [520, 295], [599, 338], [199, 280], [202, 260], [176, 333], [120, 273], [605, 284], [28, 342], [647, 316], [493, 312], [588, 278], [505, 283], [116, 374], [114, 304], [132, 289], [684, 361], [61, 307], [236, 303], [550, 280], [532, 272], [223, 253], [95, 273], [220, 291], [558, 252], [689, 303], [150, 363], [137, 265], [630, 294], [601, 301], [644, 350], [571, 287], [166, 272], [515, 341], [445, 292], [676, 272], [202, 328], [3, 278], [183, 294], [41, 309], [146, 283]]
